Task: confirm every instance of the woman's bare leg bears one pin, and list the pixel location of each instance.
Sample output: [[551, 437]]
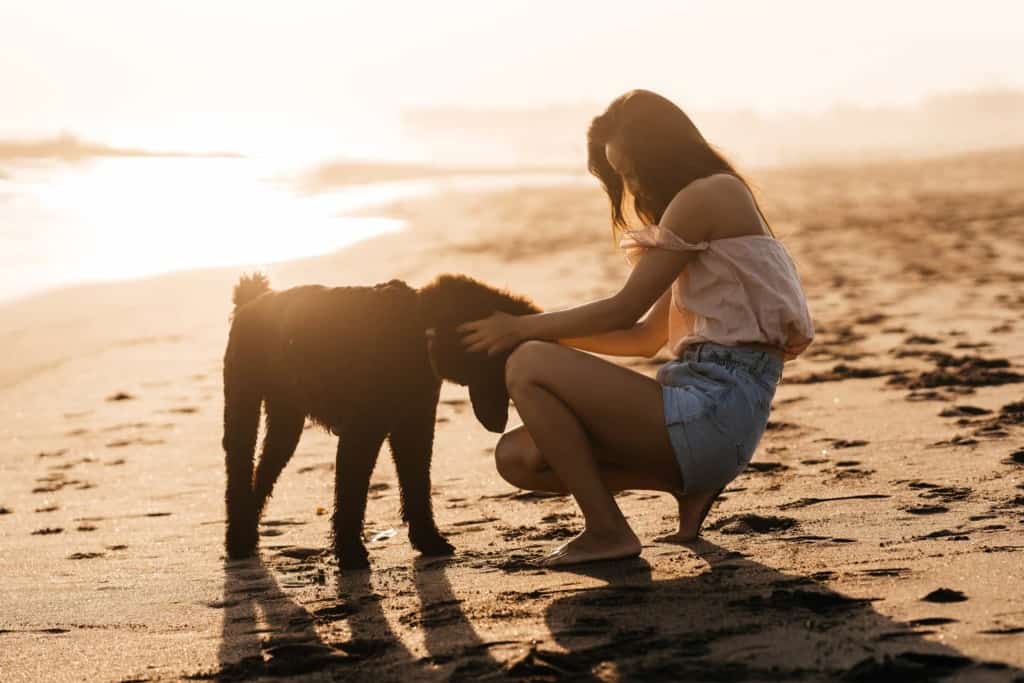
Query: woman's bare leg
[[521, 464], [568, 399]]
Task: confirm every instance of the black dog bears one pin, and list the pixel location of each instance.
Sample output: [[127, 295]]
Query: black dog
[[355, 360]]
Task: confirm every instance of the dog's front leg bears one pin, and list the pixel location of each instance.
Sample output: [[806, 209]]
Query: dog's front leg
[[412, 442], [358, 446]]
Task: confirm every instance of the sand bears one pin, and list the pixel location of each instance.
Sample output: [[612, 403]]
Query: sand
[[877, 534]]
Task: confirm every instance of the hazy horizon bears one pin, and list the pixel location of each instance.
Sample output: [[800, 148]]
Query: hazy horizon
[[328, 79], [476, 138]]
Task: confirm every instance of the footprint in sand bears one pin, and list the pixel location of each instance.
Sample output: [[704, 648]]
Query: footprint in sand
[[944, 595], [972, 345], [121, 396], [925, 509], [779, 426], [766, 467], [325, 466], [963, 411], [138, 441], [126, 425], [946, 494], [56, 481], [1003, 631], [752, 524], [297, 553], [182, 410], [947, 534], [958, 440], [921, 339], [807, 502], [933, 621], [886, 571]]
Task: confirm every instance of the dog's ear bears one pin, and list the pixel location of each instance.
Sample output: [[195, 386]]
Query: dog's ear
[[489, 396]]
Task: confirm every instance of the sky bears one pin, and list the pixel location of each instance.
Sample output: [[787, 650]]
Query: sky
[[254, 75]]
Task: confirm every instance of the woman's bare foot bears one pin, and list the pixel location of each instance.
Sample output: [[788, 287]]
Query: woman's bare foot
[[593, 546], [693, 508]]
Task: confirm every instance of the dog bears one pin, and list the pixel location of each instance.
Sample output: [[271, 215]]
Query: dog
[[366, 363]]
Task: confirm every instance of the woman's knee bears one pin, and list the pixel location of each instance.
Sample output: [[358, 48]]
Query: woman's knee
[[516, 457], [524, 361]]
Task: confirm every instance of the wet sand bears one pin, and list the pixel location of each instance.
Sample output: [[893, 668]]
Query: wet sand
[[877, 534]]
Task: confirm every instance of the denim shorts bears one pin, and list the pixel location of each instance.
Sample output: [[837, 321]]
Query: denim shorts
[[716, 402]]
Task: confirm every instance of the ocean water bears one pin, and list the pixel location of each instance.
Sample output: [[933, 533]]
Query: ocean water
[[120, 218]]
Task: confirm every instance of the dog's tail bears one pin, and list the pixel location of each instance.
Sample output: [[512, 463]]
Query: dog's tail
[[249, 287]]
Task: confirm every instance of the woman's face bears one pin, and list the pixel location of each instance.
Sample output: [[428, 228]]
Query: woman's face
[[622, 165]]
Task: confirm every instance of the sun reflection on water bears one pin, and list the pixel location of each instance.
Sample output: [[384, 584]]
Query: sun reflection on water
[[114, 219], [126, 218]]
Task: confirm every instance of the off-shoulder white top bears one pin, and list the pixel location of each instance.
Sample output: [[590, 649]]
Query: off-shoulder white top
[[738, 289]]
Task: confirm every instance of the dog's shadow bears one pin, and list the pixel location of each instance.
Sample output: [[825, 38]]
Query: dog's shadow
[[739, 620], [449, 635], [267, 633]]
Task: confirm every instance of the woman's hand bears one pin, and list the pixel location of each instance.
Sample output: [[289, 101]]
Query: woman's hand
[[494, 334]]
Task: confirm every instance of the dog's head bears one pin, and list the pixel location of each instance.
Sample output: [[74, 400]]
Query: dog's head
[[446, 303]]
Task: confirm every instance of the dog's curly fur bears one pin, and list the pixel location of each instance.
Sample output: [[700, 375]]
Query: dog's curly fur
[[355, 360]]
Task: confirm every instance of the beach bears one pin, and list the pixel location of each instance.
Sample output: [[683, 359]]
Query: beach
[[878, 533]]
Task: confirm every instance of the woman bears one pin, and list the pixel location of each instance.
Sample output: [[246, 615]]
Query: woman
[[709, 280]]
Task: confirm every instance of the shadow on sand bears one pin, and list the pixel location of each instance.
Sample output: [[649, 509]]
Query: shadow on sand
[[267, 633], [738, 620]]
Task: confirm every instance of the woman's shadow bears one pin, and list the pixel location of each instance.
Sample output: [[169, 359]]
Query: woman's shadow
[[739, 620]]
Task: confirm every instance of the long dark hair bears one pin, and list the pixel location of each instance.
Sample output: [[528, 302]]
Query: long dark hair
[[666, 150]]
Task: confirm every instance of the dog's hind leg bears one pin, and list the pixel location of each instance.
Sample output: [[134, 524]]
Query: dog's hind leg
[[359, 443], [242, 401], [412, 442], [284, 428]]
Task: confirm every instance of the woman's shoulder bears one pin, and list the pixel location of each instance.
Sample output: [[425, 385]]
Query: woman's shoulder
[[714, 207]]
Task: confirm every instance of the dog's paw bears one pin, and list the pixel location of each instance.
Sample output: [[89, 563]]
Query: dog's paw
[[240, 544], [435, 544], [352, 558], [240, 549]]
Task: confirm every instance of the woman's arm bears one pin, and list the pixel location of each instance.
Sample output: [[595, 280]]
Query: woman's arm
[[645, 338], [687, 216], [651, 276]]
